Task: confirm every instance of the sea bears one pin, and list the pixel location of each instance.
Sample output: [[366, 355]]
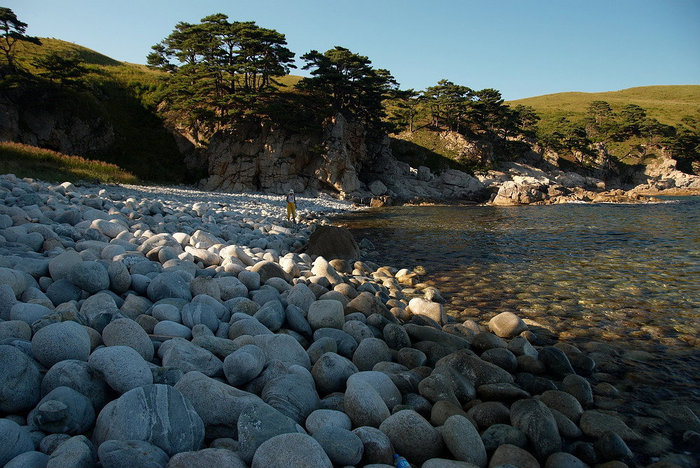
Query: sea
[[626, 275]]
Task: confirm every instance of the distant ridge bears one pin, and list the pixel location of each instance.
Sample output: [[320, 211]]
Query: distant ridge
[[668, 104]]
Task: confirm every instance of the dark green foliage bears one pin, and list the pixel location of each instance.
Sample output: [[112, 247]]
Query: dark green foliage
[[344, 82], [220, 71], [67, 69]]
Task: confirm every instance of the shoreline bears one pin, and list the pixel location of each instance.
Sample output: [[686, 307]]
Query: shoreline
[[219, 271]]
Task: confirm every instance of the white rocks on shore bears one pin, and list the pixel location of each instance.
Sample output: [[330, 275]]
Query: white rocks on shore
[[164, 327]]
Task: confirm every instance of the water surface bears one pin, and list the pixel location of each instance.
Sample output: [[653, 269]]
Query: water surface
[[624, 274]]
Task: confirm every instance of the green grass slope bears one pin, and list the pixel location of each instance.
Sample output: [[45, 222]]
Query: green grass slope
[[123, 94], [667, 104]]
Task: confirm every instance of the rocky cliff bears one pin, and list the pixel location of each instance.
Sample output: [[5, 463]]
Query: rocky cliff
[[43, 120]]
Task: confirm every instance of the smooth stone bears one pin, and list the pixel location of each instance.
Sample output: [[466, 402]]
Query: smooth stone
[[187, 356], [7, 301], [220, 415], [100, 309], [131, 454], [16, 440], [60, 341], [326, 417], [90, 276], [396, 337], [293, 393], [331, 372], [580, 388], [595, 423], [203, 310], [561, 459], [250, 279], [172, 329], [507, 325], [268, 270], [432, 310], [168, 285], [248, 326], [412, 436], [272, 315], [32, 459], [61, 265], [158, 414], [475, 369], [62, 290], [121, 367], [119, 277], [301, 296], [257, 423], [377, 448], [296, 320], [165, 311], [381, 382], [345, 343], [283, 348], [63, 410], [291, 450], [502, 358], [15, 329], [207, 458], [244, 364], [28, 312], [610, 446], [463, 441], [364, 405], [535, 420], [563, 402], [369, 352], [76, 452], [342, 446], [326, 314], [509, 455], [501, 434], [79, 376], [555, 361], [231, 287], [20, 381], [126, 332], [489, 413]]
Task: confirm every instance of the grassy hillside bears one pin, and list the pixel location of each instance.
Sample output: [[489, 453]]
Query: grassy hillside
[[29, 161], [667, 104]]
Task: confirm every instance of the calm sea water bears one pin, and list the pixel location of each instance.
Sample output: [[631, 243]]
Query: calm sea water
[[624, 274]]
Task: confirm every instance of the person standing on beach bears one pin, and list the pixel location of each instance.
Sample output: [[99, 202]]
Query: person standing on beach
[[292, 206]]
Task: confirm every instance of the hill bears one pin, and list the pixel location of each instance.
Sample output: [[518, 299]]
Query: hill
[[667, 104]]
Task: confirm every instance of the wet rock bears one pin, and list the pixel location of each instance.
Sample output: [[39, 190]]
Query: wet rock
[[556, 362], [507, 325], [333, 242], [595, 423], [610, 446], [564, 403]]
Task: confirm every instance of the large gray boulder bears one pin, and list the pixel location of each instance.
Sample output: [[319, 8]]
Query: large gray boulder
[[244, 364], [158, 414], [79, 376], [60, 341], [187, 356], [220, 414], [168, 284], [331, 372], [463, 440], [90, 276], [63, 411], [126, 332], [292, 393], [257, 423], [333, 242], [121, 367], [20, 381], [535, 420], [15, 440], [412, 436], [291, 450], [130, 454]]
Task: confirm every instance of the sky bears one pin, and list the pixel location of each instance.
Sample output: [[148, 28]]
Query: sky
[[522, 48]]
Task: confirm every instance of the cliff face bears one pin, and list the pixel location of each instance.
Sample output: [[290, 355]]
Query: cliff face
[[259, 157], [43, 121]]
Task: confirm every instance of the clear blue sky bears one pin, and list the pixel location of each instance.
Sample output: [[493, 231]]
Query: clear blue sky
[[521, 47]]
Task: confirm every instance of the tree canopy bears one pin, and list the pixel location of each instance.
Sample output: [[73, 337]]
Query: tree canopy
[[347, 83], [218, 69]]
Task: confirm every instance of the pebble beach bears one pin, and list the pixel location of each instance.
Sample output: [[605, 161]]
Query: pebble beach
[[167, 327]]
